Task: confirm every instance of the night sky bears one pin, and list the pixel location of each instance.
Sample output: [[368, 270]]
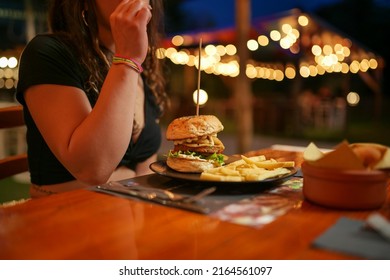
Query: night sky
[[222, 11]]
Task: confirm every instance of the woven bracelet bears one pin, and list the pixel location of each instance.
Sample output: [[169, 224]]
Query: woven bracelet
[[128, 61]]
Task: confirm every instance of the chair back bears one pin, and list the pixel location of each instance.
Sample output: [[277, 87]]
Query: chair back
[[12, 117]]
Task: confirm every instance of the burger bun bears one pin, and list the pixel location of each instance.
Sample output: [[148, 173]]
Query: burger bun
[[189, 165], [193, 126]]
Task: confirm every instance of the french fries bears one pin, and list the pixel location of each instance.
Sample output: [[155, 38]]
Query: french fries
[[255, 168]]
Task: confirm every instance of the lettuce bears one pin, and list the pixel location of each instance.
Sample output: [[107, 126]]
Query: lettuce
[[218, 158]]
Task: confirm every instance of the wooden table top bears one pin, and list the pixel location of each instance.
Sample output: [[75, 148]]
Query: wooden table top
[[84, 224]]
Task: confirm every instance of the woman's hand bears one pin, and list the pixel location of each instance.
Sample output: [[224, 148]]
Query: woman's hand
[[129, 28]]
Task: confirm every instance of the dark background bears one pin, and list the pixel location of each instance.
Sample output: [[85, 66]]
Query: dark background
[[366, 21]]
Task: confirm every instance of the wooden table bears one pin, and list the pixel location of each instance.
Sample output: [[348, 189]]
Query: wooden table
[[89, 225]]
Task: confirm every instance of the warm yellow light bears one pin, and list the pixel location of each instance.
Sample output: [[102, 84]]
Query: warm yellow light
[[210, 50], [290, 72], [373, 63], [251, 71], [275, 35], [286, 42], [9, 83], [337, 67], [233, 68], [313, 71], [286, 28], [12, 62], [267, 73], [212, 70], [331, 60], [316, 50], [252, 45], [353, 98], [205, 62], [231, 49], [303, 20], [8, 73], [226, 69], [354, 67], [177, 40], [258, 71], [292, 37], [278, 75], [340, 57], [327, 50], [344, 68], [191, 60], [346, 51], [338, 48], [271, 74], [304, 71], [160, 53], [203, 97], [169, 52], [295, 33], [221, 50], [3, 62], [364, 65], [320, 70], [263, 40], [180, 58]]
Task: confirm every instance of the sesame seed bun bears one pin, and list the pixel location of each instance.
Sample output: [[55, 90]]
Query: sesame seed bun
[[193, 126]]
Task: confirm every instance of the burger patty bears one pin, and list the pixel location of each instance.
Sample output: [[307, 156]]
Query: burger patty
[[200, 149], [204, 145]]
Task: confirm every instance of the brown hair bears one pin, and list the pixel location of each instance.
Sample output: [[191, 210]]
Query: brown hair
[[66, 18]]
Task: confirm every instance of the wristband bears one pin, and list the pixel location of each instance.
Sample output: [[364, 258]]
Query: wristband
[[118, 59]]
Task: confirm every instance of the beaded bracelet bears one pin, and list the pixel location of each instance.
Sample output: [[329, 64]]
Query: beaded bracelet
[[117, 59]]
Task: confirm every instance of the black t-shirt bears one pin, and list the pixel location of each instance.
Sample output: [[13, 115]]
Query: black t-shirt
[[48, 60]]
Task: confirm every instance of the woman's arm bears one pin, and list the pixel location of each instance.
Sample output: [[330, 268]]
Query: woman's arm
[[89, 143]]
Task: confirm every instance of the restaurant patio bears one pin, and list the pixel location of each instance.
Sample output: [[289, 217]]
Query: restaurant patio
[[304, 77], [288, 88]]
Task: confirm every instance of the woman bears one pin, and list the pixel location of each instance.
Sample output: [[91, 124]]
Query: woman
[[90, 110]]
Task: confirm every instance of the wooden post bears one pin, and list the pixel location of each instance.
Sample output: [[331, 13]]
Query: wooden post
[[242, 87], [30, 25]]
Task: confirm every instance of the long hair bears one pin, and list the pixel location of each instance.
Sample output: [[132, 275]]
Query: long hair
[[68, 19]]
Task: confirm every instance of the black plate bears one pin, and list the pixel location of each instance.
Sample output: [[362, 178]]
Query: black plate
[[161, 168]]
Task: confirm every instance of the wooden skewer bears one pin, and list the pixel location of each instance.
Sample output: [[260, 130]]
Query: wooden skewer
[[198, 91]]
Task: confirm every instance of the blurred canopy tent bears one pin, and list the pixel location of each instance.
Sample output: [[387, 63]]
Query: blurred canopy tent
[[291, 45], [20, 20]]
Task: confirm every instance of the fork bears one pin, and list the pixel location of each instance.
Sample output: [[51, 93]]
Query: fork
[[156, 192]]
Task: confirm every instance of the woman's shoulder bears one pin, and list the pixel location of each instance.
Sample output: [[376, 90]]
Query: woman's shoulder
[[47, 42], [48, 45], [44, 37]]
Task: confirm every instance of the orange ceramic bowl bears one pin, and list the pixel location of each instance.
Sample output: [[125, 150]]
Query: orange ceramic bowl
[[344, 189]]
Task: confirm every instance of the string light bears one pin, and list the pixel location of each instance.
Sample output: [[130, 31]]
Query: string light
[[8, 72], [329, 53]]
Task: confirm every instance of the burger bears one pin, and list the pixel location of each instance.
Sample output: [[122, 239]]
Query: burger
[[196, 146]]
